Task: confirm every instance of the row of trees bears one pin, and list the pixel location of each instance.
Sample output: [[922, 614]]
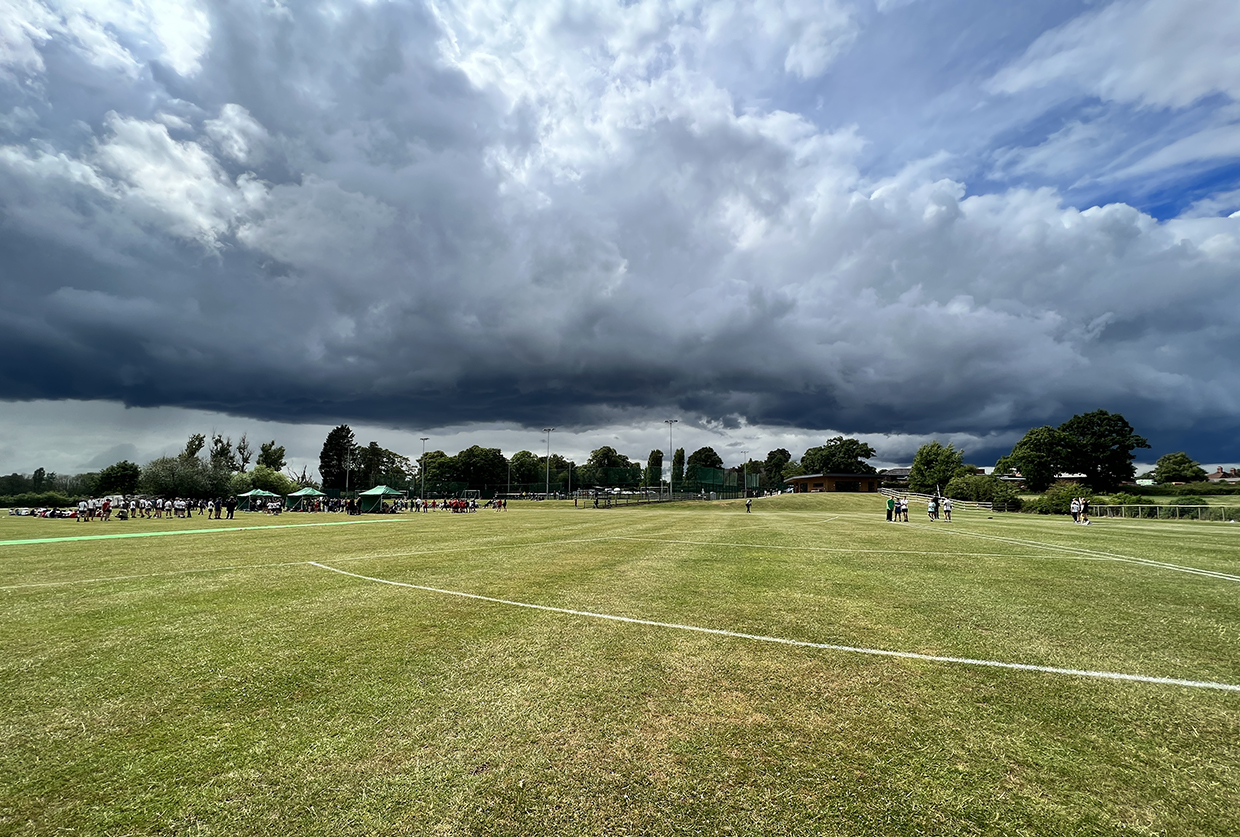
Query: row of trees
[[344, 464], [1099, 446], [199, 471]]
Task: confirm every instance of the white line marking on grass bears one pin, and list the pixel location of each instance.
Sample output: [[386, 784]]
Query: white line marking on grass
[[875, 652], [165, 532], [1092, 553], [368, 556]]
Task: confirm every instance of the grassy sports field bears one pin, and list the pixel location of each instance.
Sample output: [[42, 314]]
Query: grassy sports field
[[239, 682]]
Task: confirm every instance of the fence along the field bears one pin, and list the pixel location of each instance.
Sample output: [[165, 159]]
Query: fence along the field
[[926, 498], [1169, 511]]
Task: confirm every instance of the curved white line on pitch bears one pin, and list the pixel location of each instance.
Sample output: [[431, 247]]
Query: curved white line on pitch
[[1092, 553], [876, 652]]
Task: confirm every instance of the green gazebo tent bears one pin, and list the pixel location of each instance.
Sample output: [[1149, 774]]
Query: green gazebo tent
[[303, 495], [250, 495], [372, 499]]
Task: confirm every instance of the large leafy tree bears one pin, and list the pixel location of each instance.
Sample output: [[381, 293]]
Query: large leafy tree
[[934, 466], [193, 446], [705, 458], [678, 466], [839, 456], [339, 457], [607, 457], [1100, 446], [481, 467], [270, 455], [438, 468], [121, 478], [526, 468], [1039, 457], [269, 479], [607, 466], [179, 476], [223, 457], [698, 463], [654, 468], [1178, 467], [773, 467], [245, 453]]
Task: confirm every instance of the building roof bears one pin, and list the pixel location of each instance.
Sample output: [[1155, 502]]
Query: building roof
[[820, 476]]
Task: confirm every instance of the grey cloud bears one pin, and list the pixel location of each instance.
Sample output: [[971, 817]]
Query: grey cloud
[[342, 224]]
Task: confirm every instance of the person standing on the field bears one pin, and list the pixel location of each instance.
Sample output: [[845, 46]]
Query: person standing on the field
[[891, 505], [947, 509], [931, 508], [1075, 508], [748, 504]]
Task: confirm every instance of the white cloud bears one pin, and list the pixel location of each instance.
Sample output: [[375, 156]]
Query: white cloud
[[117, 35], [1217, 143], [1221, 203], [182, 183], [238, 134], [1155, 53], [24, 26]]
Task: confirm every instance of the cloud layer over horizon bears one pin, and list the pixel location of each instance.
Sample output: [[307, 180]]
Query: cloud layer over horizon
[[811, 215]]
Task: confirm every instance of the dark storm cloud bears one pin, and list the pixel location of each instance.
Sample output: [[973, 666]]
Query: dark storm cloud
[[424, 216]]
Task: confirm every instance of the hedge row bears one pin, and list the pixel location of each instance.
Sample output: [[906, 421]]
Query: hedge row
[[52, 499]]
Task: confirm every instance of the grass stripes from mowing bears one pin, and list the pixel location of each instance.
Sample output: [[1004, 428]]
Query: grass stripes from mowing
[[1089, 553], [876, 652], [167, 532]]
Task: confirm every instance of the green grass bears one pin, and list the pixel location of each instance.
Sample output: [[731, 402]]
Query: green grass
[[219, 684]]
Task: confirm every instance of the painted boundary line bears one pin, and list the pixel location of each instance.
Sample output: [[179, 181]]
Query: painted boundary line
[[494, 547], [1091, 553], [874, 652], [369, 556], [168, 532]]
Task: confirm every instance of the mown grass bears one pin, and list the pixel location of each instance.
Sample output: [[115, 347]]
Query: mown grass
[[220, 684]]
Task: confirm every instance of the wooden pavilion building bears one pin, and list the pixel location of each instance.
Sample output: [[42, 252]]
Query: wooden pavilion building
[[814, 483]]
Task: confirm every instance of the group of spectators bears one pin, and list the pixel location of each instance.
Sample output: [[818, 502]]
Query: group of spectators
[[105, 508], [131, 508], [897, 509], [462, 506]]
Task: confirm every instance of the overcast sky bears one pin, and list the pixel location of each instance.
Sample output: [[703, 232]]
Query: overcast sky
[[774, 221]]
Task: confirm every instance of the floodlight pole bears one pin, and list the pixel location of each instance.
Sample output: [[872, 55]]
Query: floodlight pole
[[745, 473], [422, 466], [671, 467], [547, 487]]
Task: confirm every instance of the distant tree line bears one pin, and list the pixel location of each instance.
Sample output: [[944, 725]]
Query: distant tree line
[[199, 471], [1096, 447]]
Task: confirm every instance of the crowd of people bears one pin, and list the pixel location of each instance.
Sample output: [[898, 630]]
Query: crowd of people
[[133, 508], [105, 509], [937, 508]]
